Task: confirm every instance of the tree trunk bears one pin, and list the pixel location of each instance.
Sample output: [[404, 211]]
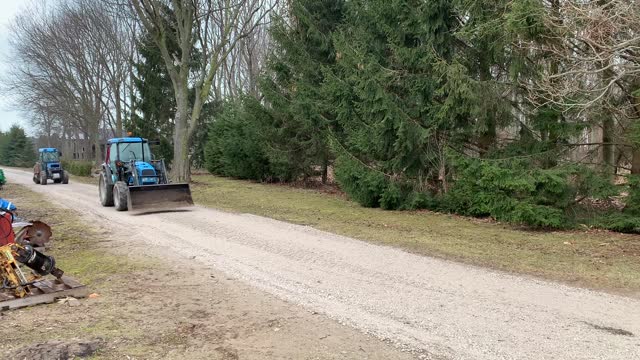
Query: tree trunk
[[608, 149], [635, 155], [98, 150], [325, 168], [635, 161], [119, 131], [488, 137], [180, 169]]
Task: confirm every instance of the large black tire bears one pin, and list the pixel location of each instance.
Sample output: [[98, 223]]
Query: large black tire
[[43, 178], [106, 191], [65, 177], [120, 193], [36, 179]]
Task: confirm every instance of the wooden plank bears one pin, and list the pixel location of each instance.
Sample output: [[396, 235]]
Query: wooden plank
[[44, 292], [78, 292]]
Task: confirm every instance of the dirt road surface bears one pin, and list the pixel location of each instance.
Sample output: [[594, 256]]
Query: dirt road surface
[[441, 309]]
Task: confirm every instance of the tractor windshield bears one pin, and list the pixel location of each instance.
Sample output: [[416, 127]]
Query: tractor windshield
[[134, 151], [50, 157]]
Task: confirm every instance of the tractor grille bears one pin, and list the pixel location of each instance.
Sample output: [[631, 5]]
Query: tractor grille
[[148, 172]]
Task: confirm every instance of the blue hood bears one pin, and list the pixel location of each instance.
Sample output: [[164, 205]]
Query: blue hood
[[141, 165], [146, 173]]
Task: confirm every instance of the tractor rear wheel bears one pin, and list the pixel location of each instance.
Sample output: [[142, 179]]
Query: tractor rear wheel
[[120, 192], [36, 178], [43, 178], [106, 191]]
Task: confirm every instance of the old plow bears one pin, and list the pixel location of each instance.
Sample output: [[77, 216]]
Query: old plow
[[27, 275]]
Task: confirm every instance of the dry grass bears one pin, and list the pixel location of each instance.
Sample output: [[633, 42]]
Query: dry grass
[[81, 252], [91, 180], [599, 260]]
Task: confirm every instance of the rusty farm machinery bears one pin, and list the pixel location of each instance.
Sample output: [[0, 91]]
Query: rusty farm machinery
[[21, 250]]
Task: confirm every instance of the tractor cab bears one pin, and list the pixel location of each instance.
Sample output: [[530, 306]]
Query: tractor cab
[[49, 167], [50, 156], [132, 179], [133, 157]]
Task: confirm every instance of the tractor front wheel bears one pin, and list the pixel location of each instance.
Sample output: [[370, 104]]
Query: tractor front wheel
[[36, 178], [43, 178], [120, 192], [106, 191], [65, 177]]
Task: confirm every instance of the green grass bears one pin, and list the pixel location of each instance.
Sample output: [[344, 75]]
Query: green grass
[[600, 260]]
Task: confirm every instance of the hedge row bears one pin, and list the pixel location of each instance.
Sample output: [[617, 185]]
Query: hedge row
[[78, 168]]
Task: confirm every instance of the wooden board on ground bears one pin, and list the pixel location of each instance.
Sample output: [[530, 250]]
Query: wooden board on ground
[[44, 292]]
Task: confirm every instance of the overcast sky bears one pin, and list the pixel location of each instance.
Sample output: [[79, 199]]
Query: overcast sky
[[8, 115]]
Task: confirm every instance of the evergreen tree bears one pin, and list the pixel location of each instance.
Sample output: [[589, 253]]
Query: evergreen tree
[[237, 145], [398, 97], [422, 104], [298, 121], [17, 149]]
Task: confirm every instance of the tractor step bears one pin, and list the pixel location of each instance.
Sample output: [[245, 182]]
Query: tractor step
[[44, 292]]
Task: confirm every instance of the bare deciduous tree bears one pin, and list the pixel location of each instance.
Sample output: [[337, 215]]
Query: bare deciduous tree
[[595, 46], [72, 64], [214, 28]]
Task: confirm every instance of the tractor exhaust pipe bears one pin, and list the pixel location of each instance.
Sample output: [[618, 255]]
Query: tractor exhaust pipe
[[164, 197]]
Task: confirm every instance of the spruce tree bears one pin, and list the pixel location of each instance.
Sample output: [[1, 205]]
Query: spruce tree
[[17, 149], [299, 117], [398, 97]]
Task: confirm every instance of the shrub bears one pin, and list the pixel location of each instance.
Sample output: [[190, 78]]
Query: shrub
[[78, 168], [517, 191], [373, 189], [620, 222], [236, 145], [627, 221]]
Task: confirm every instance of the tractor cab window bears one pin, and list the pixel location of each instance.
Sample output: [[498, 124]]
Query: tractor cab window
[[113, 153], [50, 157], [134, 151]]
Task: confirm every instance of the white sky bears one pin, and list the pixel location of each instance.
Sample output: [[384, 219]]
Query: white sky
[[8, 114]]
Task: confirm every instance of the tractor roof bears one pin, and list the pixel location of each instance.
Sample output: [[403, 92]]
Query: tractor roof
[[126, 140], [48, 150]]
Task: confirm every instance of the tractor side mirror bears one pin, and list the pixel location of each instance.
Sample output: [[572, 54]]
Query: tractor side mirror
[[59, 153]]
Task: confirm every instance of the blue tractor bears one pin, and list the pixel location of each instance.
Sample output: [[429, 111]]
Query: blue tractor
[[131, 179], [49, 167]]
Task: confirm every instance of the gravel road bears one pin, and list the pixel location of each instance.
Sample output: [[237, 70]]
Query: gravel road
[[440, 309]]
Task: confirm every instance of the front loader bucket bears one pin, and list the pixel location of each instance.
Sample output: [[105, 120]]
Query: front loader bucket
[[159, 197]]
